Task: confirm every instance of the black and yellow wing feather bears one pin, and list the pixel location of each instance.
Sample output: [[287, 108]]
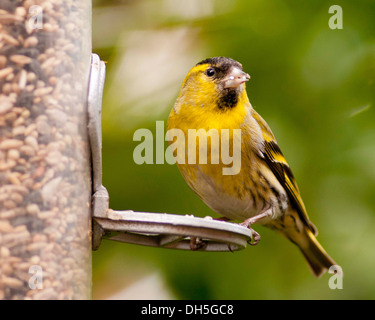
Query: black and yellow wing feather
[[276, 161]]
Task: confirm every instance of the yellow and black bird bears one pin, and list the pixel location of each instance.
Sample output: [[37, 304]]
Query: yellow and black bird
[[264, 191]]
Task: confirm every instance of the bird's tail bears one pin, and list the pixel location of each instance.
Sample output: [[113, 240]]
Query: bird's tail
[[318, 259]]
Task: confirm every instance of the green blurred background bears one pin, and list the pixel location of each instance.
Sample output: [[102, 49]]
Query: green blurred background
[[315, 88]]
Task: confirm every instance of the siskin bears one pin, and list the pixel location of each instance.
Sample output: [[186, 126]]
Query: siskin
[[213, 96]]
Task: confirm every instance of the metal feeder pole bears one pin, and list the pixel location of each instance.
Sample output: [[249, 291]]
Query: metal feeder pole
[[45, 169]]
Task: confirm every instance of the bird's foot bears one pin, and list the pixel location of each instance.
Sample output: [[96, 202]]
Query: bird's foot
[[197, 243], [248, 222], [255, 238], [255, 235]]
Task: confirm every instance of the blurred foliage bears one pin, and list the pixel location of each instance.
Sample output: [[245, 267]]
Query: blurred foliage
[[315, 88]]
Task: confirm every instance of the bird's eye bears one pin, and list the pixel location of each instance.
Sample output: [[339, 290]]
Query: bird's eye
[[210, 72]]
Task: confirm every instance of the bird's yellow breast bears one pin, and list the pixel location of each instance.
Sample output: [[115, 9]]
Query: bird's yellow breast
[[208, 180]]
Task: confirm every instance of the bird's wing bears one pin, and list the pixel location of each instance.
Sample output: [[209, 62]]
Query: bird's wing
[[276, 161]]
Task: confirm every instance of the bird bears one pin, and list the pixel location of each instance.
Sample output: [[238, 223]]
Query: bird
[[264, 191]]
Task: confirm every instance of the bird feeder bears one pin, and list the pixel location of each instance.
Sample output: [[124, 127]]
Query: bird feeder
[[45, 168], [53, 207]]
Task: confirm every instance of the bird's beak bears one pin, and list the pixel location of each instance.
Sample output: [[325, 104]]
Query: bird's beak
[[235, 78]]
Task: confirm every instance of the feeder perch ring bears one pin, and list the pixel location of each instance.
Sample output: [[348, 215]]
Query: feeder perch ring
[[171, 231]]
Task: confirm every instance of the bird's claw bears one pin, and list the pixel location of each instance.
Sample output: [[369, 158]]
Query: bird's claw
[[255, 238], [197, 244], [255, 235]]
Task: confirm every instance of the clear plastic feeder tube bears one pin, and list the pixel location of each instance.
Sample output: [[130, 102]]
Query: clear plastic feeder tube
[[45, 173]]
